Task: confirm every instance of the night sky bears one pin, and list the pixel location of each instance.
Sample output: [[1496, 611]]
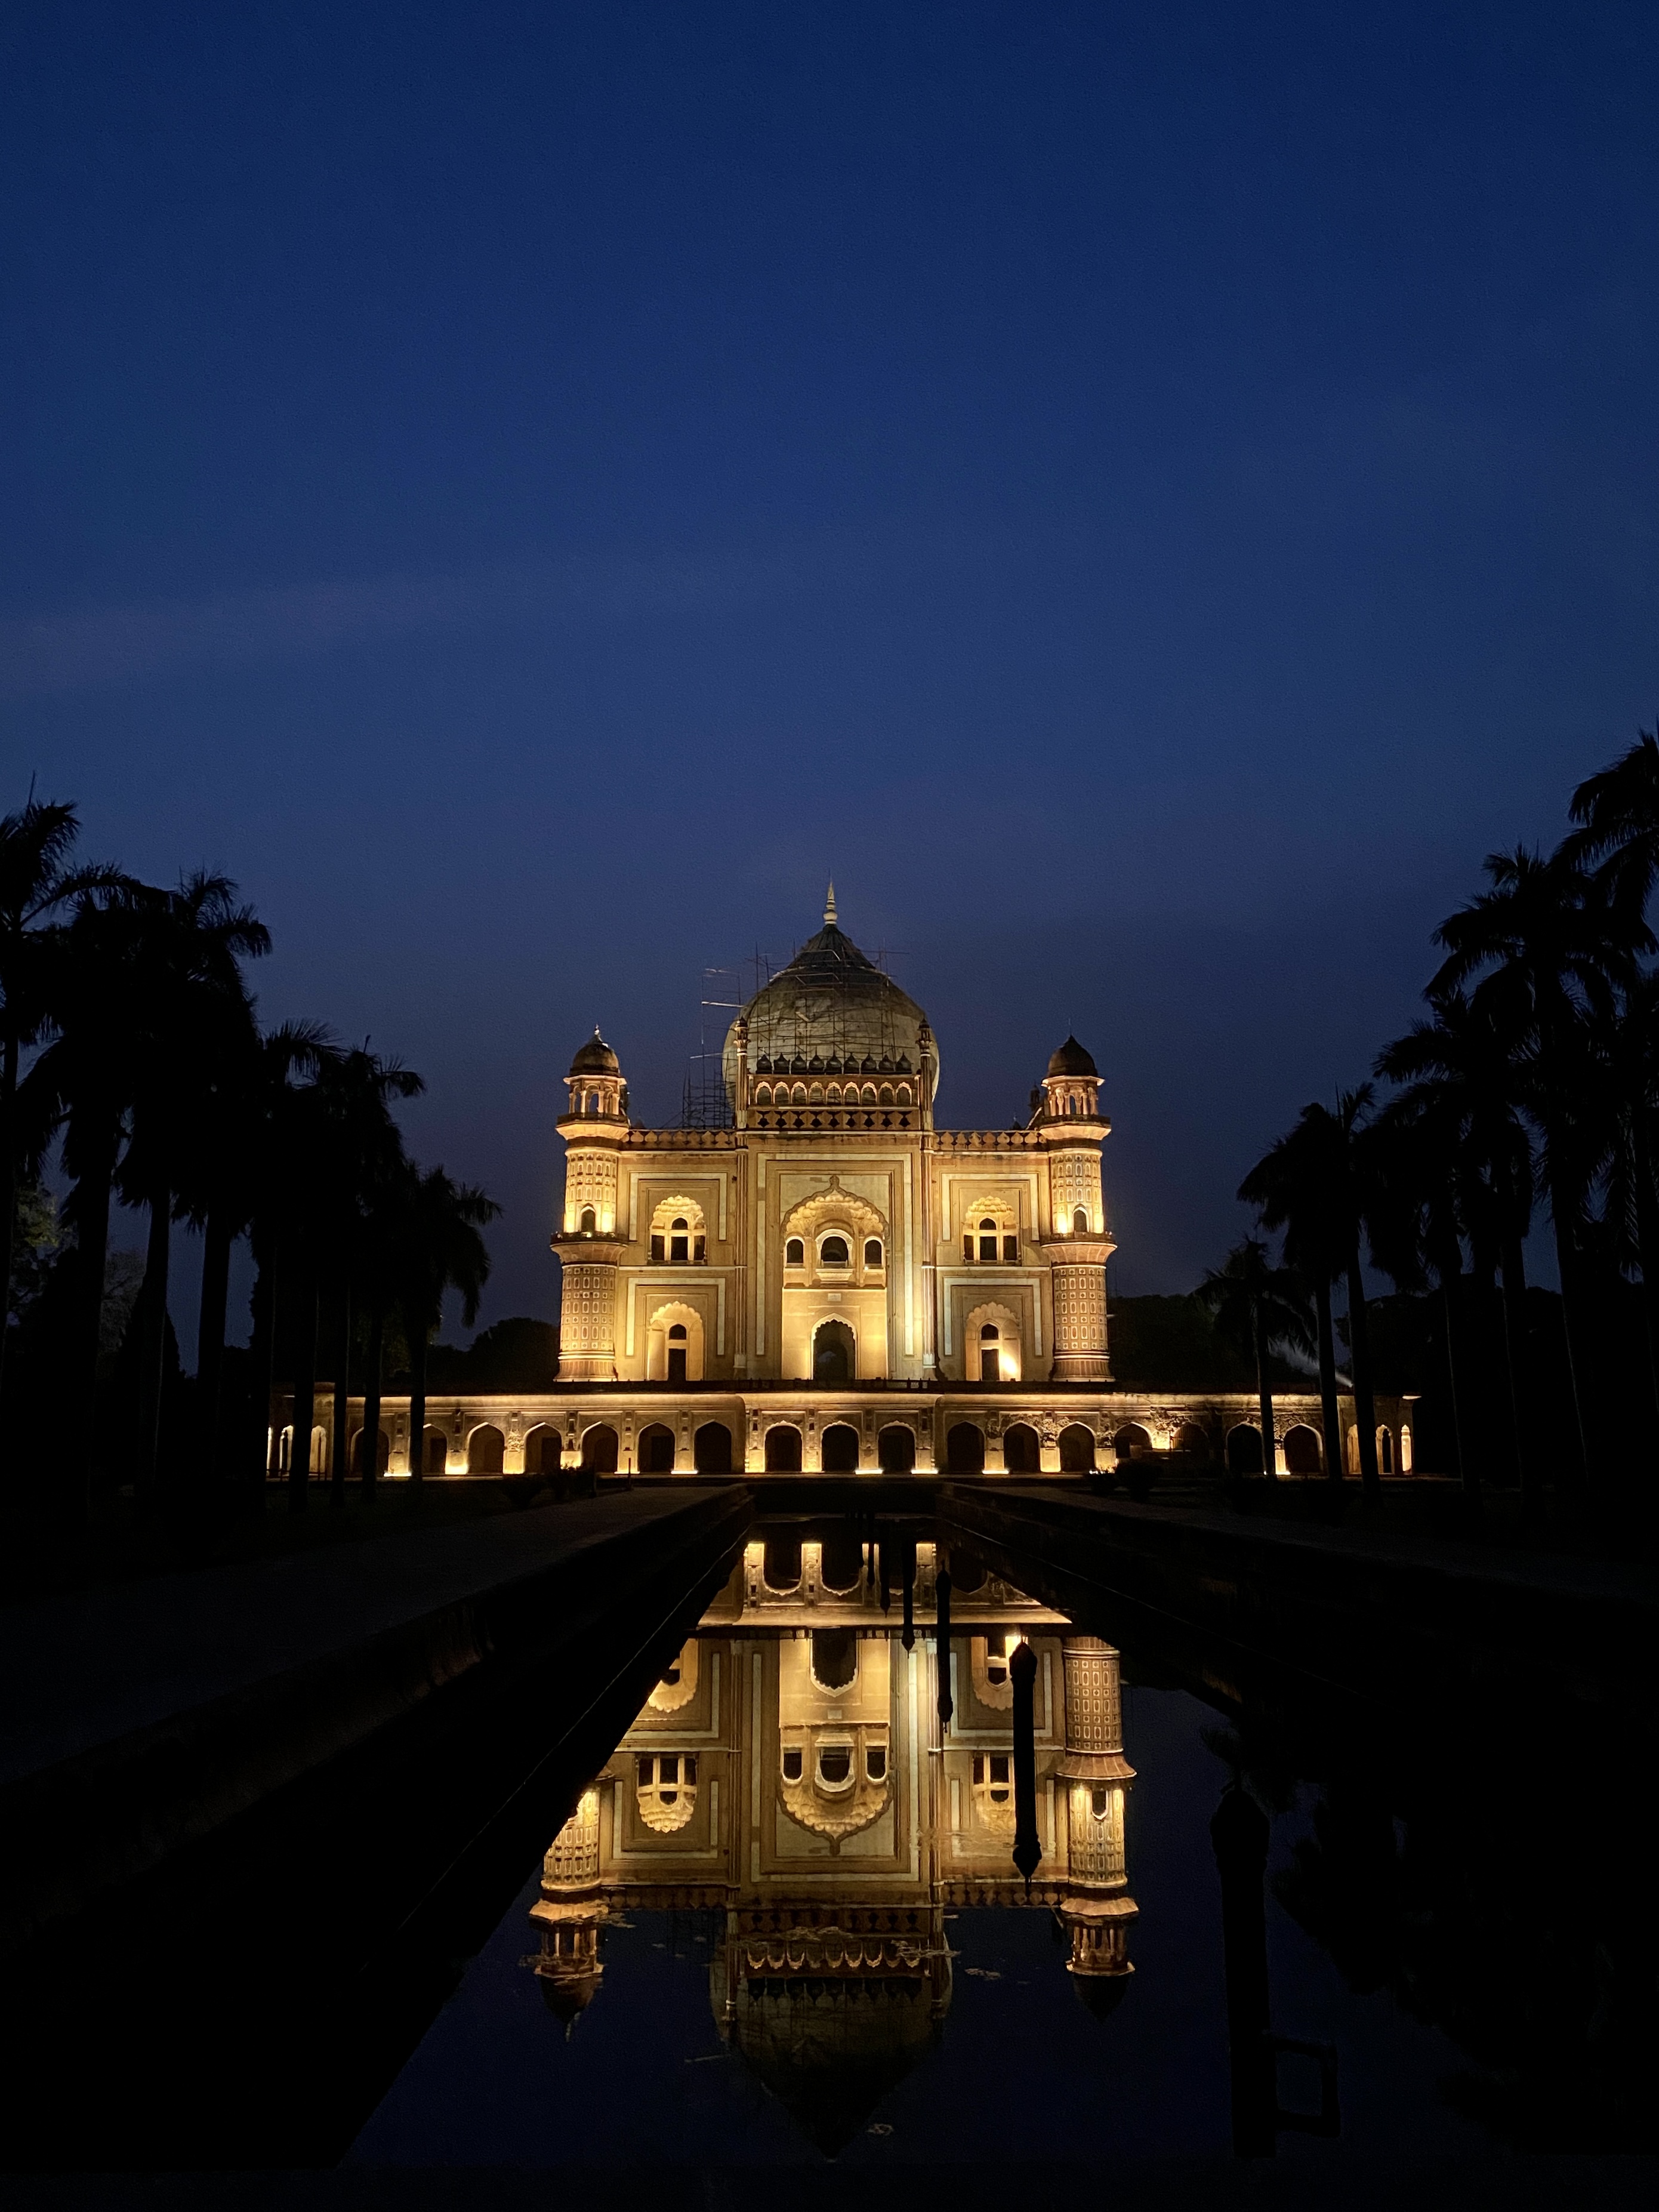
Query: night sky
[[1144, 497]]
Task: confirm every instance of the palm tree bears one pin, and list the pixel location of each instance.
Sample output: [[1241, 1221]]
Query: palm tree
[[1463, 1093], [1416, 1226], [1625, 1063], [82, 1082], [357, 1159], [36, 885], [195, 1023], [1300, 1185], [261, 1179], [1258, 1306], [439, 1249], [1552, 955], [1618, 811]]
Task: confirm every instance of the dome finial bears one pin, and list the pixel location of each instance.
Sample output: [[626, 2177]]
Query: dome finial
[[829, 904]]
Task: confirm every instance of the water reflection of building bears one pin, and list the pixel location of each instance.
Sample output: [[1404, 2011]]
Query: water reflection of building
[[790, 1772]]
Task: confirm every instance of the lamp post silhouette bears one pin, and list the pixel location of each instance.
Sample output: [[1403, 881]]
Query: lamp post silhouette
[[1027, 1845], [942, 1645], [1239, 1832]]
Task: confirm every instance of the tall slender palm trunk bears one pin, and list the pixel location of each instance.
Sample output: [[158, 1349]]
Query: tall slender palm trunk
[[1647, 1252], [1365, 1395], [8, 1233], [91, 1206], [1451, 1301], [210, 1347], [304, 1388], [371, 1362], [153, 1337], [1572, 1318], [258, 1453], [341, 1446], [1264, 1397], [1330, 1412], [1514, 1361], [417, 1329]]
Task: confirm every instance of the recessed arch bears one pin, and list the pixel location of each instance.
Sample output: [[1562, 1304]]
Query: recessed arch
[[486, 1449], [964, 1448], [1077, 1449], [1191, 1441], [1131, 1441], [841, 1561], [995, 1357], [670, 1357], [835, 1353], [783, 1449], [600, 1446], [382, 1458], [1021, 1448], [542, 1453], [711, 1449], [679, 1233], [780, 1560], [895, 1449], [654, 1449], [1244, 1449], [839, 1449], [1303, 1454]]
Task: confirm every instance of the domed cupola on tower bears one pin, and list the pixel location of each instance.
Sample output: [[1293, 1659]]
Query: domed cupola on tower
[[831, 1034]]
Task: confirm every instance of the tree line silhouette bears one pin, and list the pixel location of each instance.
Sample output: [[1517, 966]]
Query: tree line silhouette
[[130, 1042], [1530, 1090]]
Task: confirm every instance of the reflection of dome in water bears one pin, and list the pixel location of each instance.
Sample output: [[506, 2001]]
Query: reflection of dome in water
[[830, 2045], [830, 1011], [1102, 1993], [568, 1995]]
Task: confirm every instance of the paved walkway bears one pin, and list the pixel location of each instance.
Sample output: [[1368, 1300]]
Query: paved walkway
[[1543, 1572], [92, 1666]]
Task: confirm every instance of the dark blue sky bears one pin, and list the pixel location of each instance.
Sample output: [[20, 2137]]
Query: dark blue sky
[[1145, 497]]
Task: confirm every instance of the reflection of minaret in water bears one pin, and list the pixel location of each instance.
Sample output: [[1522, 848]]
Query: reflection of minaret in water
[[1099, 1909], [570, 1912]]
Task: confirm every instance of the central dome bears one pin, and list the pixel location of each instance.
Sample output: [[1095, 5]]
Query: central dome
[[831, 1009]]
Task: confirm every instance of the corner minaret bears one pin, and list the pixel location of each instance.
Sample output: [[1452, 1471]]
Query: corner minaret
[[1068, 1116], [591, 1240]]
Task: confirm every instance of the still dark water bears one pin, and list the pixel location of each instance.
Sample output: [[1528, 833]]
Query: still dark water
[[1017, 2066]]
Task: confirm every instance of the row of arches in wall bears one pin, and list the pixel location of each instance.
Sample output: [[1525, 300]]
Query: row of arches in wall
[[840, 1449], [834, 1252], [834, 1094]]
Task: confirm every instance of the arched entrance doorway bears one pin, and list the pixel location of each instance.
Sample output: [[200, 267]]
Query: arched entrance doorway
[[833, 1354]]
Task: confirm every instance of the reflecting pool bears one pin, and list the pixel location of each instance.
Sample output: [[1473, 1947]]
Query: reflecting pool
[[784, 1921]]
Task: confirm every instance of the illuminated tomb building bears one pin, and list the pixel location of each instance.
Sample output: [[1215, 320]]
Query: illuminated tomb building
[[830, 1282], [791, 1775]]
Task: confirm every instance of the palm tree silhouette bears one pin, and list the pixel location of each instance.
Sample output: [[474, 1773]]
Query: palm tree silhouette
[[37, 884], [1258, 1306], [1300, 1186], [438, 1249], [1462, 1100], [196, 1019], [1553, 954]]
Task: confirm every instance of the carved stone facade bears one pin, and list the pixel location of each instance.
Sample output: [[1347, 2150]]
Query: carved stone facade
[[834, 1283], [838, 1819]]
